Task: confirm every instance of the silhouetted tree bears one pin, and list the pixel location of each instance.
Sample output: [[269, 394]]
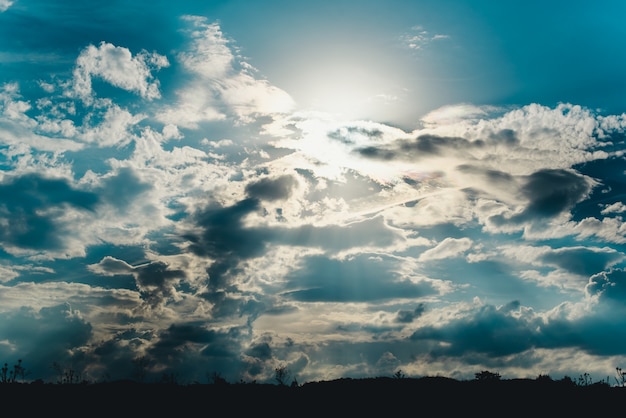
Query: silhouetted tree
[[399, 374], [487, 376], [216, 378], [281, 375], [140, 368]]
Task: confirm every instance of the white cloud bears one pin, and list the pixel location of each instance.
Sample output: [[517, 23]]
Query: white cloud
[[617, 207], [221, 83], [19, 130], [418, 38], [110, 266], [523, 140], [448, 248], [114, 128], [117, 66], [5, 4]]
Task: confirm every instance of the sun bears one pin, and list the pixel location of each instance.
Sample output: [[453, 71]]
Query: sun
[[348, 91]]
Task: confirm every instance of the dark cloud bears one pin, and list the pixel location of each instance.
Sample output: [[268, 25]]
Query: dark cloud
[[123, 189], [423, 146], [43, 337], [406, 317], [500, 332], [358, 279], [489, 330], [505, 136], [272, 189], [582, 261], [492, 176], [156, 280], [194, 350], [224, 239], [610, 286], [261, 351], [552, 191], [32, 207]]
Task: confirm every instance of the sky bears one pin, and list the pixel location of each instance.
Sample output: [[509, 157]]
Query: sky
[[342, 189]]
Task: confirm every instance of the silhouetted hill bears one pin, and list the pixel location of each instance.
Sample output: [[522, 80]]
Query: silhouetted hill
[[376, 396]]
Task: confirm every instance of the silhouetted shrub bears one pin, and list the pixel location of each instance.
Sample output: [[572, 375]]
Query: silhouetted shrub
[[281, 375], [487, 376]]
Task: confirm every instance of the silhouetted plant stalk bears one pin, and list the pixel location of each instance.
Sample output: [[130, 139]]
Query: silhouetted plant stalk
[[620, 377], [11, 376], [67, 376]]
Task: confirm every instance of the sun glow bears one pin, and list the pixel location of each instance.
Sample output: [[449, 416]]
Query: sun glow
[[344, 91]]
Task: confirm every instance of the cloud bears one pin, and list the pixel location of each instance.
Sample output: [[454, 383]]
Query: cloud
[[219, 230], [118, 67], [419, 38], [550, 192], [406, 317], [113, 127], [44, 336], [35, 212], [155, 280], [272, 189], [487, 329], [4, 5], [609, 286], [449, 247], [19, 130], [220, 83], [583, 261], [617, 207]]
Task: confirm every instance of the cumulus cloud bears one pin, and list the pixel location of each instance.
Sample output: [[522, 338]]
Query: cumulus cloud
[[118, 67], [34, 212], [155, 280]]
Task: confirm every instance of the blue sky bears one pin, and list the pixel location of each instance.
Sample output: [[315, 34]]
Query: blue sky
[[341, 188]]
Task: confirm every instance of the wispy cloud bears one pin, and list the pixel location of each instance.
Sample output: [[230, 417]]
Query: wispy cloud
[[220, 84], [419, 38]]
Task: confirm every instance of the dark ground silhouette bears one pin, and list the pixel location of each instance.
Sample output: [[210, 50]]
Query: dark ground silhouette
[[387, 397]]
